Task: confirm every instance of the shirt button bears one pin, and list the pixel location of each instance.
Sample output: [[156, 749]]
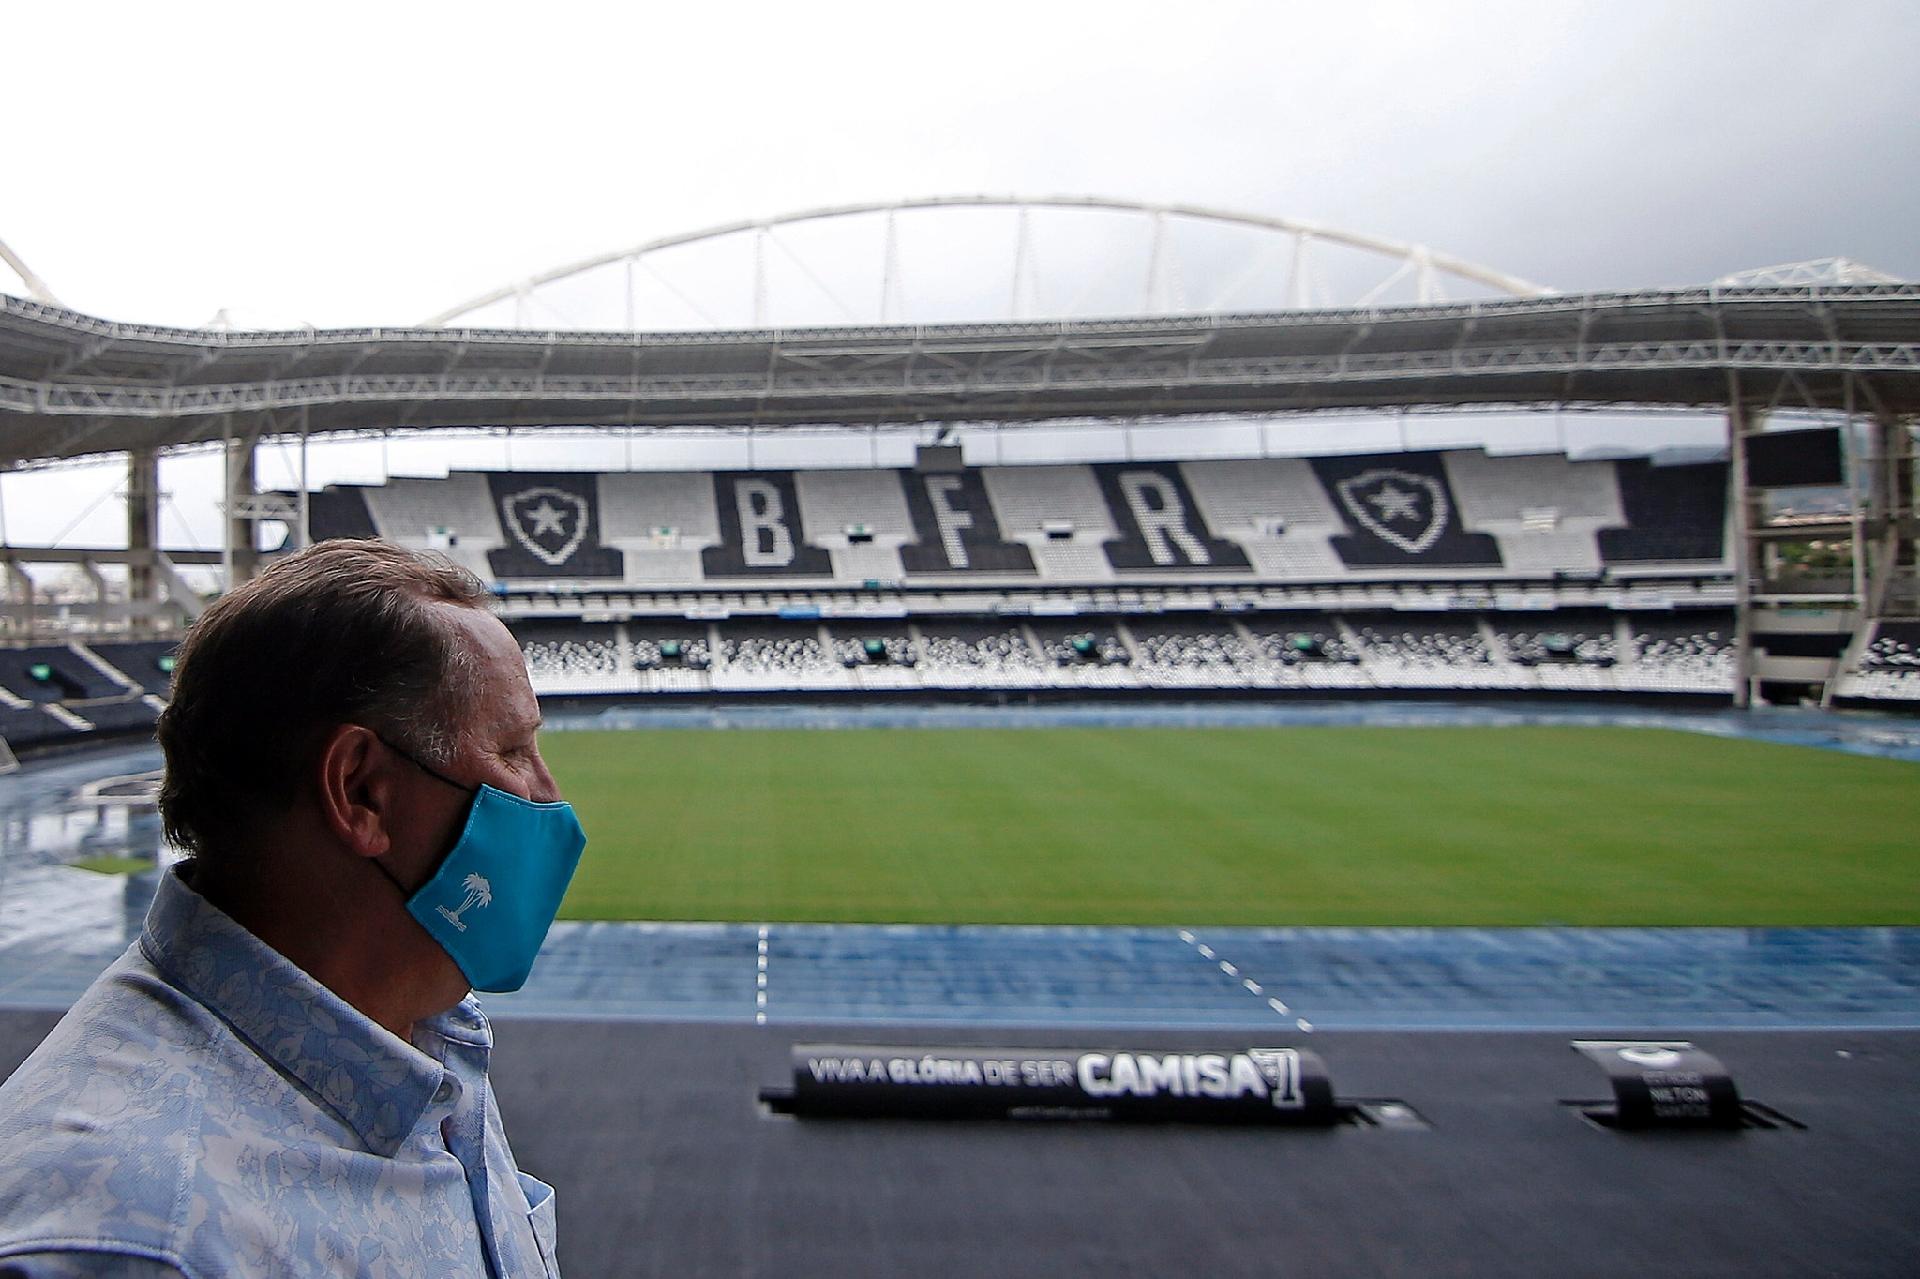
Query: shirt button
[[444, 1093]]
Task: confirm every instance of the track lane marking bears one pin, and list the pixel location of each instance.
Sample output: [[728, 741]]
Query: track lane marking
[[1252, 987], [760, 980]]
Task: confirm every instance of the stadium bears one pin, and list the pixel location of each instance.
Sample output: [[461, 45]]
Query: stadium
[[1196, 666]]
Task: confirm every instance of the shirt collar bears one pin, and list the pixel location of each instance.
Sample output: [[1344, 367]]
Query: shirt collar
[[376, 1082]]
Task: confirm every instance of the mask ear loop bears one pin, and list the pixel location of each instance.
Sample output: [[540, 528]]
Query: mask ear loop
[[434, 773], [379, 863]]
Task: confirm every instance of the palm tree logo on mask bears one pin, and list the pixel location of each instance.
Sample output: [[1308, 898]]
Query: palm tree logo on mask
[[479, 893]]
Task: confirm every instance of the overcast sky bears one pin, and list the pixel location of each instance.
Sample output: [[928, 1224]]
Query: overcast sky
[[348, 164]]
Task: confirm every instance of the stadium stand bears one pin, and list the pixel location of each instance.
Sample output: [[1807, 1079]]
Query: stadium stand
[[339, 511], [1059, 513], [1427, 652], [124, 715], [879, 654], [1674, 514], [668, 657], [54, 673], [1193, 652], [454, 515], [1391, 572], [1408, 516], [860, 517], [548, 525], [1570, 649], [1889, 667], [660, 522], [28, 727], [53, 694], [1084, 652], [1543, 511], [775, 655], [146, 663], [573, 657], [760, 533], [955, 528], [1401, 513], [1277, 512], [1158, 524], [1306, 651], [1683, 653], [985, 654]]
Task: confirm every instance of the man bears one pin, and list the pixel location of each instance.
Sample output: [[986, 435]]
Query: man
[[285, 1074]]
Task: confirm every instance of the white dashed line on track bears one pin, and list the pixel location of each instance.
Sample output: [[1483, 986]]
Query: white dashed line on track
[[1252, 987], [760, 981]]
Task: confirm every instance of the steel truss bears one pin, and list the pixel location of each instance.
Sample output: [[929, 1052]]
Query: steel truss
[[74, 386]]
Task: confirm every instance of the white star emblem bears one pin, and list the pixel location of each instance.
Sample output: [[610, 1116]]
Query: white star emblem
[[1395, 503], [546, 518]]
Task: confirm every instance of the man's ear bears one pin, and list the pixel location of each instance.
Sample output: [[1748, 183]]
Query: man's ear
[[356, 786]]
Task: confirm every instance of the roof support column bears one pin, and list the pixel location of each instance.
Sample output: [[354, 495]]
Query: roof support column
[[20, 592], [1740, 499], [1892, 523], [303, 532], [242, 558], [143, 539]]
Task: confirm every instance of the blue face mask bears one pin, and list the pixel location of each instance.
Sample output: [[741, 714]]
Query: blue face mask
[[495, 893]]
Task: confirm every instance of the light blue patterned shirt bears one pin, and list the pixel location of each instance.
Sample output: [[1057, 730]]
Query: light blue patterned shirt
[[208, 1109]]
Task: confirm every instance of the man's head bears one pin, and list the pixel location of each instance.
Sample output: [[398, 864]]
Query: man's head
[[345, 632]]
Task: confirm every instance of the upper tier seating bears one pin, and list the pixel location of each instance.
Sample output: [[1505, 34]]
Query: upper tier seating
[[1673, 513], [838, 507], [409, 511], [1543, 510], [1452, 516], [340, 511], [1276, 510], [1059, 513], [1400, 514], [549, 527], [661, 521]]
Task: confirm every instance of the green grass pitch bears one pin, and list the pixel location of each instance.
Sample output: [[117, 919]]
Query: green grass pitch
[[1483, 826]]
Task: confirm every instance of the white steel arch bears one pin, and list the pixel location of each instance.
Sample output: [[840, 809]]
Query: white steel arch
[[36, 287], [1426, 270]]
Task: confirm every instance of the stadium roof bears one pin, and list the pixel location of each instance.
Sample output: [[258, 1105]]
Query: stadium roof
[[73, 386]]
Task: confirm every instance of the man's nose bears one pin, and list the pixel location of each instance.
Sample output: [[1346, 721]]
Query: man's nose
[[545, 789]]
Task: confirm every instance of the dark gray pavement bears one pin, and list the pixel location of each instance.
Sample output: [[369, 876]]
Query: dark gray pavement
[[666, 1164]]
